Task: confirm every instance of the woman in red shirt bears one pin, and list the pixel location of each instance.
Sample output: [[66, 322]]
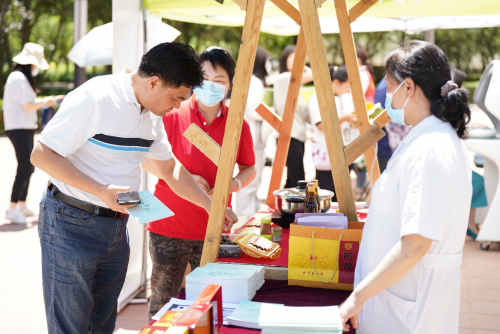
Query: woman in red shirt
[[178, 240]]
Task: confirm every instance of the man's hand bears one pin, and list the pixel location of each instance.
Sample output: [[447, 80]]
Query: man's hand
[[109, 195], [231, 219], [202, 182]]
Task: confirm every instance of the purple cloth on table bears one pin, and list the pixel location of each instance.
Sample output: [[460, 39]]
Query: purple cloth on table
[[279, 292], [331, 214]]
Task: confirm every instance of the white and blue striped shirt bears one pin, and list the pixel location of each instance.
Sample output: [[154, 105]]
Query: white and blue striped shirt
[[101, 129]]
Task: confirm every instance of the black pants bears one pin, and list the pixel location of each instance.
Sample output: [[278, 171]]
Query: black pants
[[295, 163], [22, 140], [325, 181]]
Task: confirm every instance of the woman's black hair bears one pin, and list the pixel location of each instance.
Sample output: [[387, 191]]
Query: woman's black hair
[[26, 70], [429, 68], [338, 73], [220, 57], [259, 67], [176, 64], [363, 55], [284, 57], [458, 76]]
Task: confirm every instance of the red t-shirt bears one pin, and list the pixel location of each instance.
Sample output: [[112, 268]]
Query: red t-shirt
[[190, 221]]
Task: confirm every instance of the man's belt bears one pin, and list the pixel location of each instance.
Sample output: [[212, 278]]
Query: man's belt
[[87, 207]]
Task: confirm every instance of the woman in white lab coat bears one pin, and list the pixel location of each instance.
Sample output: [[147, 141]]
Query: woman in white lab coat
[[407, 276]]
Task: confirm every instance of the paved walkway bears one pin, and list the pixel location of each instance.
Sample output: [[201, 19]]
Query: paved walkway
[[21, 299]]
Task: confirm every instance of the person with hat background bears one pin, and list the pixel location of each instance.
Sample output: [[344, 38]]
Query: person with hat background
[[20, 106]]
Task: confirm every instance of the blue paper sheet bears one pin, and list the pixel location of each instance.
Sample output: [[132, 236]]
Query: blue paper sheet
[[151, 209]]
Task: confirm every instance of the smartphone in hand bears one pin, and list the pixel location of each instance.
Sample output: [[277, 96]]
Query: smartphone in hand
[[129, 198]]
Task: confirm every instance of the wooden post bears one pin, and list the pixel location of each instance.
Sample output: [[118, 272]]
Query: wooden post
[[367, 139], [382, 119], [360, 8], [244, 67], [351, 61], [288, 9], [203, 142], [269, 116], [328, 110], [288, 117]]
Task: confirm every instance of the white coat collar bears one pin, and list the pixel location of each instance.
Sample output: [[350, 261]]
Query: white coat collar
[[420, 128]]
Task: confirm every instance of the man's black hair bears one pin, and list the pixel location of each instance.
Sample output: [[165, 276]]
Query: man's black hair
[[220, 57], [176, 64]]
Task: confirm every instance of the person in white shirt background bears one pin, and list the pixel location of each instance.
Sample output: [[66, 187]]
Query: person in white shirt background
[[407, 277], [20, 106], [247, 202], [295, 158], [340, 86]]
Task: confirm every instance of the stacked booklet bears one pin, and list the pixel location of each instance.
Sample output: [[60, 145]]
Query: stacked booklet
[[238, 282], [246, 315], [326, 220], [278, 319]]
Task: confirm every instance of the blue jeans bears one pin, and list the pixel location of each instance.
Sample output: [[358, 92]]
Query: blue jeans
[[84, 262]]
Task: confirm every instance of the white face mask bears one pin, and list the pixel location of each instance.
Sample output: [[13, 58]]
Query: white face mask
[[35, 71]]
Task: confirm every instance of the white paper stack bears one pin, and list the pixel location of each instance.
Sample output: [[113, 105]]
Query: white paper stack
[[246, 315], [259, 270], [238, 282], [276, 319]]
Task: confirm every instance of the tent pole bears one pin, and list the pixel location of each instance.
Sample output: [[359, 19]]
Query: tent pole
[[288, 116], [328, 110], [232, 133]]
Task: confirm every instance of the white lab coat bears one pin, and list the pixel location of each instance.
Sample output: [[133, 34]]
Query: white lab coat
[[425, 190]]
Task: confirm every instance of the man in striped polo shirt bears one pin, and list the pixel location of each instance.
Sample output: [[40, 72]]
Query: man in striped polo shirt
[[92, 150]]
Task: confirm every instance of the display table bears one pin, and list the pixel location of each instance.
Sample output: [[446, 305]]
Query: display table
[[279, 292]]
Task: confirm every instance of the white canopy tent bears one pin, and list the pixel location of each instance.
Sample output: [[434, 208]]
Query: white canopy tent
[[130, 42], [96, 48]]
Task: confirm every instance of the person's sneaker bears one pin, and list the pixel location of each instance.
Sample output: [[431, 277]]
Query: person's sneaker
[[15, 216], [27, 212]]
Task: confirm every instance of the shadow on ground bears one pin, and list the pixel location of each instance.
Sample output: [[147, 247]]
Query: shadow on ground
[[9, 227]]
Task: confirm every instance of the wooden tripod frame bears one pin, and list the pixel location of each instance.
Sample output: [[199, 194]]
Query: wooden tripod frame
[[310, 38]]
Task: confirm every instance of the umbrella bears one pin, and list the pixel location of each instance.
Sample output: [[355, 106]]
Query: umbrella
[[96, 48]]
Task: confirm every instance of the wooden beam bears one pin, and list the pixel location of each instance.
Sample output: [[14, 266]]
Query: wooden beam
[[269, 116], [360, 8], [328, 110], [288, 9], [203, 142], [288, 117], [366, 140], [382, 119], [351, 61], [232, 133]]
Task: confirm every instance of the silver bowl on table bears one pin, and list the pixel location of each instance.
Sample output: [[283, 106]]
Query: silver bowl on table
[[291, 201]]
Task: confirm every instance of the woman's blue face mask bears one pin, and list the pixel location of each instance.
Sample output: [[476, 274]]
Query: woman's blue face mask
[[397, 115], [210, 93]]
